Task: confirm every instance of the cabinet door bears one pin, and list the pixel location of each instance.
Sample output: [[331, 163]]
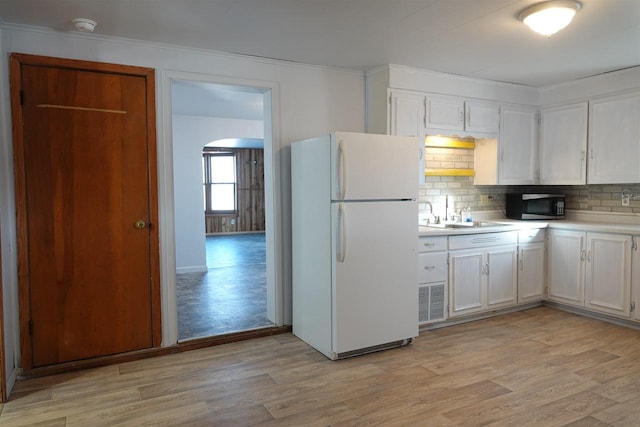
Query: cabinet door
[[445, 112], [614, 140], [635, 277], [608, 276], [565, 266], [531, 272], [481, 117], [466, 282], [563, 145], [518, 145], [502, 276], [407, 114]]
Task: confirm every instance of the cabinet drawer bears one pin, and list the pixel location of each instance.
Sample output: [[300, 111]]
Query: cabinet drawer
[[468, 241], [429, 244], [433, 267], [532, 235]]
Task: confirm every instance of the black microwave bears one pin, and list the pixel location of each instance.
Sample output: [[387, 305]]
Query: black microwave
[[535, 206]]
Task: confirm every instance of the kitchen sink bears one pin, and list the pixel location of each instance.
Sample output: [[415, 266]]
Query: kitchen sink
[[474, 224]]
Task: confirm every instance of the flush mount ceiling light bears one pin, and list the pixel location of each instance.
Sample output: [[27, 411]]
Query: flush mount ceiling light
[[85, 25], [549, 17]]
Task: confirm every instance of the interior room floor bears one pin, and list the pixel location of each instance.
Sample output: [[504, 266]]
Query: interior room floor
[[232, 295], [540, 367]]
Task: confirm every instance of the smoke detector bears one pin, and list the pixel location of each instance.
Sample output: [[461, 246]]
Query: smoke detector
[[84, 25]]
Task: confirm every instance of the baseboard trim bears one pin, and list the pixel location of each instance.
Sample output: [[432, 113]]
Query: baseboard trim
[[152, 352], [594, 315], [192, 269], [479, 316]]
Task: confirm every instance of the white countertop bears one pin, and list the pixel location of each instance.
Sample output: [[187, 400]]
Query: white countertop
[[511, 225]]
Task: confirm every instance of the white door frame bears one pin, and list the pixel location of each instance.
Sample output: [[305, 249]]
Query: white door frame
[[275, 288]]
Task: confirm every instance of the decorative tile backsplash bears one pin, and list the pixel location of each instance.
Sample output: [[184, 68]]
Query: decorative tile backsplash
[[462, 193]]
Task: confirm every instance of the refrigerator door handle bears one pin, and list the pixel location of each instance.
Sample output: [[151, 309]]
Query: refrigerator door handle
[[341, 240], [342, 177]]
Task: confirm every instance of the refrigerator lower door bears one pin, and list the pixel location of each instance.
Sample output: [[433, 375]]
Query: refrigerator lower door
[[374, 269]]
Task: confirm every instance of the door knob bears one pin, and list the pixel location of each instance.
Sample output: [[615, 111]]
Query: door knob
[[140, 224]]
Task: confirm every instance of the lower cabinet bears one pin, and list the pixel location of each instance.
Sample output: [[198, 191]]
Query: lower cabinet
[[591, 270], [608, 275], [531, 265], [432, 274], [565, 266], [482, 272], [489, 271]]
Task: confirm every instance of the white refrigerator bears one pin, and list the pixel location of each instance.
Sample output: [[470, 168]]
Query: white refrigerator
[[355, 242]]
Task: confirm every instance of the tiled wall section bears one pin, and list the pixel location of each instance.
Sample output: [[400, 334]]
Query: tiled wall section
[[462, 193]]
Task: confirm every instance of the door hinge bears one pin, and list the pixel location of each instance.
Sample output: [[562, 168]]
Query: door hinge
[[632, 307], [634, 243], [21, 97], [30, 327]]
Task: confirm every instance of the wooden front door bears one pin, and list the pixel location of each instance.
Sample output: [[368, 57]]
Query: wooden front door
[[84, 141]]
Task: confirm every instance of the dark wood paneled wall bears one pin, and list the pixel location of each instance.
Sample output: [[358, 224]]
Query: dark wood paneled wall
[[250, 195]]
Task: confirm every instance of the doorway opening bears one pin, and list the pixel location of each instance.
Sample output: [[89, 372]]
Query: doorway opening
[[220, 229]]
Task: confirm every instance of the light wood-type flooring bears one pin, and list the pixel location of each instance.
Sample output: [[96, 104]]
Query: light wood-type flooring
[[540, 367]]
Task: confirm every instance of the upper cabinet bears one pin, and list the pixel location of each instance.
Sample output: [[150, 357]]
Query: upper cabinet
[[445, 113], [518, 144], [457, 116], [407, 114], [614, 140], [512, 159], [584, 132], [481, 117], [563, 145]]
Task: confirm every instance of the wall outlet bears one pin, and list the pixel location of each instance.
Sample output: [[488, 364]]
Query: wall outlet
[[625, 199], [485, 199]]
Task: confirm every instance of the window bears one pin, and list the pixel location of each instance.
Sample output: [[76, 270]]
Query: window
[[219, 178]]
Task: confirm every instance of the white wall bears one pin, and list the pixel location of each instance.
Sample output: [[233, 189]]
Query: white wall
[[190, 134], [8, 231], [310, 101]]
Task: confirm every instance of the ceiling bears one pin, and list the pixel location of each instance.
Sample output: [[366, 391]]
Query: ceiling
[[477, 38]]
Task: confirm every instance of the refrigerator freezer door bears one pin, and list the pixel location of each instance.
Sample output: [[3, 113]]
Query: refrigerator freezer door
[[375, 274], [373, 167]]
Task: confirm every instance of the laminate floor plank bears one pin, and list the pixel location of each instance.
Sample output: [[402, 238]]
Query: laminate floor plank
[[525, 400], [560, 412], [622, 414], [539, 367]]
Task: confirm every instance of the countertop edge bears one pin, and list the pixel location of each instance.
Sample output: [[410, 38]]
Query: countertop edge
[[514, 225]]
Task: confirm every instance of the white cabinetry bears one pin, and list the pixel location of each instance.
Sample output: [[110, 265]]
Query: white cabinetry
[[407, 114], [591, 270], [482, 272], [518, 143], [608, 278], [432, 274], [563, 145], [481, 116], [445, 113], [512, 159], [531, 265], [565, 266], [635, 278], [457, 116], [614, 139]]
